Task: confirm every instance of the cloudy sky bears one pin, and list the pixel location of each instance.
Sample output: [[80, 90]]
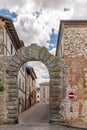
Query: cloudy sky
[[37, 21]]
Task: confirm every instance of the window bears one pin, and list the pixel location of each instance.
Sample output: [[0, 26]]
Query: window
[[11, 49], [20, 101], [23, 104], [43, 89], [44, 95], [19, 83], [38, 96], [22, 85]]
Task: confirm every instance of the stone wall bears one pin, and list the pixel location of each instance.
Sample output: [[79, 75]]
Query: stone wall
[[74, 72], [3, 89], [75, 41]]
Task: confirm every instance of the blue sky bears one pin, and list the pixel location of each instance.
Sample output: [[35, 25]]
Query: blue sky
[[7, 13], [53, 40]]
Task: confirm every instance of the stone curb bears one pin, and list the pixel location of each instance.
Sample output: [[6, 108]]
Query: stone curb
[[74, 126]]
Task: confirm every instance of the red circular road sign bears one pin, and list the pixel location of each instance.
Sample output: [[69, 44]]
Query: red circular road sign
[[71, 95]]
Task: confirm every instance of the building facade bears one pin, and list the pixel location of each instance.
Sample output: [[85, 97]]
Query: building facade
[[72, 54], [38, 94], [44, 92], [22, 88], [9, 44], [30, 87]]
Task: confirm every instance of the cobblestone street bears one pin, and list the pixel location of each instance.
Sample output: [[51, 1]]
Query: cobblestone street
[[36, 118]]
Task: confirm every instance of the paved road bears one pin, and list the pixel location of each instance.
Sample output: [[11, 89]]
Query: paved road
[[38, 114], [28, 127], [36, 118]]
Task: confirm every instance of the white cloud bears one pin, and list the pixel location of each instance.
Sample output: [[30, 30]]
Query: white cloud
[[53, 51], [32, 29], [41, 71]]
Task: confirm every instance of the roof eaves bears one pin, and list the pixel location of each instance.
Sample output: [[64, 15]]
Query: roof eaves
[[12, 32]]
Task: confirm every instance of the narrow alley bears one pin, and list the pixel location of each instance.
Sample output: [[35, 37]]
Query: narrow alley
[[38, 114]]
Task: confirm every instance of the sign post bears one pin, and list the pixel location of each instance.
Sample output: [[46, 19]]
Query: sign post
[[71, 96]]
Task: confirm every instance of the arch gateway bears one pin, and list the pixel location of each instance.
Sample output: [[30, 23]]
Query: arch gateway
[[30, 53]]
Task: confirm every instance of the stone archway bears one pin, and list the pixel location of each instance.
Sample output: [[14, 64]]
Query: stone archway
[[34, 53]]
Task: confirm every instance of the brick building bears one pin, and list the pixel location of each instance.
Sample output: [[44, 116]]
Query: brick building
[[72, 54]]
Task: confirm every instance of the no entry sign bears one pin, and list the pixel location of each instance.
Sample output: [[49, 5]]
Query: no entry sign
[[71, 95]]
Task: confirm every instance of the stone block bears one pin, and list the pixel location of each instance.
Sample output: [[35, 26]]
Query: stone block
[[43, 52], [12, 99], [55, 69], [51, 59], [13, 116], [12, 111], [12, 107], [12, 94], [55, 99], [17, 60], [46, 56], [52, 65], [55, 81], [55, 74]]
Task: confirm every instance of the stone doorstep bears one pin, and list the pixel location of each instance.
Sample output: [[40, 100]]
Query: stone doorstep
[[74, 126]]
